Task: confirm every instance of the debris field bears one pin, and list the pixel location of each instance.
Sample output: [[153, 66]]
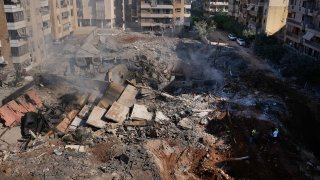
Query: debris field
[[151, 108]]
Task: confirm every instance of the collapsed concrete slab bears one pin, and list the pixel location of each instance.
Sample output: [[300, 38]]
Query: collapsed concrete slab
[[84, 111], [117, 113], [75, 123], [128, 97], [112, 94], [95, 117], [140, 112]]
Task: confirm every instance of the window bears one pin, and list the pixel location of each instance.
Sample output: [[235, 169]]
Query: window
[[66, 27], [15, 17], [178, 9], [65, 15], [19, 51]]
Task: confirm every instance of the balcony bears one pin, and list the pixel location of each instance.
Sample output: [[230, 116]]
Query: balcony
[[312, 44], [148, 6], [44, 3], [145, 15], [45, 17], [312, 28], [294, 37], [294, 23], [21, 59], [47, 31], [187, 6], [16, 25], [218, 3], [13, 8], [17, 42]]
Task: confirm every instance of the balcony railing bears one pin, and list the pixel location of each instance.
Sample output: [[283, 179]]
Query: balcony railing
[[312, 44]]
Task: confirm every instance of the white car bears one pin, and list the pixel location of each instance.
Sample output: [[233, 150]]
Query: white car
[[232, 37], [241, 42]]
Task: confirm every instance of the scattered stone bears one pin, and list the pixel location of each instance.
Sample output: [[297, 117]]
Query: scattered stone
[[185, 123], [57, 152]]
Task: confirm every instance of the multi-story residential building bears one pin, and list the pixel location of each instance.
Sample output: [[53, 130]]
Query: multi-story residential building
[[263, 16], [303, 26], [28, 24], [100, 13], [163, 14], [17, 28], [5, 56], [38, 28], [63, 18], [233, 8], [213, 6]]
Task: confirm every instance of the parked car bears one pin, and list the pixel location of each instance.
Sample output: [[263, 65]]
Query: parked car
[[232, 37], [241, 42]]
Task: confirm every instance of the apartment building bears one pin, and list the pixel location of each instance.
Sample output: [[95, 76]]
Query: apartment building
[[100, 13], [263, 16], [162, 14], [28, 24], [63, 18], [5, 56], [233, 8], [213, 6], [17, 28], [303, 26]]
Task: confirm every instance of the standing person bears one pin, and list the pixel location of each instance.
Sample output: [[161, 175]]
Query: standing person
[[253, 136], [275, 134]]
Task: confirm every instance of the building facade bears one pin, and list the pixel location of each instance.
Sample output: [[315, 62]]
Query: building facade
[[63, 18], [263, 16], [303, 27], [213, 6], [5, 54], [162, 14], [100, 13], [17, 28], [28, 24]]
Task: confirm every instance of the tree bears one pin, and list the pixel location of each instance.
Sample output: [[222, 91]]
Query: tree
[[201, 27]]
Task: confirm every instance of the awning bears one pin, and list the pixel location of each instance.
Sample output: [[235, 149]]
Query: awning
[[308, 36]]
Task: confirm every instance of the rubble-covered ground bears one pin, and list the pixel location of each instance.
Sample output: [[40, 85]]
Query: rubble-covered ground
[[203, 103]]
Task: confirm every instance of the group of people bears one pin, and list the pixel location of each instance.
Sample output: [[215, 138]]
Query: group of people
[[254, 135]]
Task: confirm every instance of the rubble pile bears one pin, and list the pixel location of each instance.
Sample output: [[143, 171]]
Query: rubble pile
[[164, 108]]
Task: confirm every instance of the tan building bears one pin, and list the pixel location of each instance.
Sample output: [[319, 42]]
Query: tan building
[[38, 28], [303, 27], [161, 14], [63, 18], [28, 25], [100, 13], [263, 16], [17, 28], [233, 8], [5, 56], [213, 6]]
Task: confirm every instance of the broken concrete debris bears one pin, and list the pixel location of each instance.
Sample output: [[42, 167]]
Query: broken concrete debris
[[140, 112], [95, 118], [117, 113], [77, 148], [128, 97], [134, 125]]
